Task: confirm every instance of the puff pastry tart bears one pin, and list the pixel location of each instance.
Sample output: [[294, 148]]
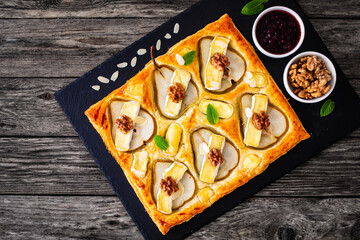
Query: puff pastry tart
[[203, 162]]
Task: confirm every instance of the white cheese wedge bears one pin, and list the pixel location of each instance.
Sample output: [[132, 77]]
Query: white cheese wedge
[[180, 76], [208, 171], [253, 135], [122, 140], [176, 172], [213, 76], [225, 110], [205, 194], [173, 137], [139, 165], [164, 202], [251, 161]]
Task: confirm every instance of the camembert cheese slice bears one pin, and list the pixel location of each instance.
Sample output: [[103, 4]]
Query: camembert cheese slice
[[139, 166], [251, 161], [213, 76], [176, 172], [173, 137], [225, 110], [122, 140], [208, 171], [182, 77], [253, 135]]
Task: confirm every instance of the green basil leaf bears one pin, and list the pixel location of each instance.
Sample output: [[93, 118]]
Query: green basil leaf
[[327, 108], [212, 114], [161, 142], [189, 57], [253, 7]]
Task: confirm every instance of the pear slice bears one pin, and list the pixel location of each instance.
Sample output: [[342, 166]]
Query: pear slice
[[225, 110], [173, 137], [266, 140], [162, 79], [237, 64], [181, 77], [278, 123], [230, 154], [144, 130], [186, 184], [231, 159], [122, 140]]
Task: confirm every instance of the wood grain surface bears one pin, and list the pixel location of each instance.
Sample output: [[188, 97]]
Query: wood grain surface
[[94, 217], [50, 187]]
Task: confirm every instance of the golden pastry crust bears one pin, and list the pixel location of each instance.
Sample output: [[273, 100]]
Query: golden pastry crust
[[193, 119]]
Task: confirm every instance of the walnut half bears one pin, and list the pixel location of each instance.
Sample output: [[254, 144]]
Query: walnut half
[[176, 92]]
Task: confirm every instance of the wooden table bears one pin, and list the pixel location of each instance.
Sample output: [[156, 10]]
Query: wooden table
[[51, 188]]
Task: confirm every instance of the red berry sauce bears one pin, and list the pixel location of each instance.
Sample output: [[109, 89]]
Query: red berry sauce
[[278, 32]]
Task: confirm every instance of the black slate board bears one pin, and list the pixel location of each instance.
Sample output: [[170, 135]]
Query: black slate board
[[78, 96]]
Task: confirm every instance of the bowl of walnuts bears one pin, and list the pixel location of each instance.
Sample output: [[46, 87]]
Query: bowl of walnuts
[[309, 77]]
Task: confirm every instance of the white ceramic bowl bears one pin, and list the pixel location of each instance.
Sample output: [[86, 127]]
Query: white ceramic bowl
[[329, 66], [291, 12]]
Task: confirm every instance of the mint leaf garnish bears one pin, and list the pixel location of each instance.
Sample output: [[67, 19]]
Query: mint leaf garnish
[[327, 108], [212, 114], [189, 57], [253, 7], [161, 142]]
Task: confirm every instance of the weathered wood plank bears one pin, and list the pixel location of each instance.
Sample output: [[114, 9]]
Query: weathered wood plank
[[39, 217], [63, 166], [71, 47], [23, 113], [44, 217], [147, 8]]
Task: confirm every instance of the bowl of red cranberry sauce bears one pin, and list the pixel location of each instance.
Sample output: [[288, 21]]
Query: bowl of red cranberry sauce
[[278, 32]]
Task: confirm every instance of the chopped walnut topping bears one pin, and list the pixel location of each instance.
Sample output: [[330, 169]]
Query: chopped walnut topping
[[260, 121], [124, 123], [221, 63], [176, 92], [215, 157], [169, 185], [310, 77]]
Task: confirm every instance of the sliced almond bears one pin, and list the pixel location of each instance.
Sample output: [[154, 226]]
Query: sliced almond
[[248, 112], [180, 59]]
